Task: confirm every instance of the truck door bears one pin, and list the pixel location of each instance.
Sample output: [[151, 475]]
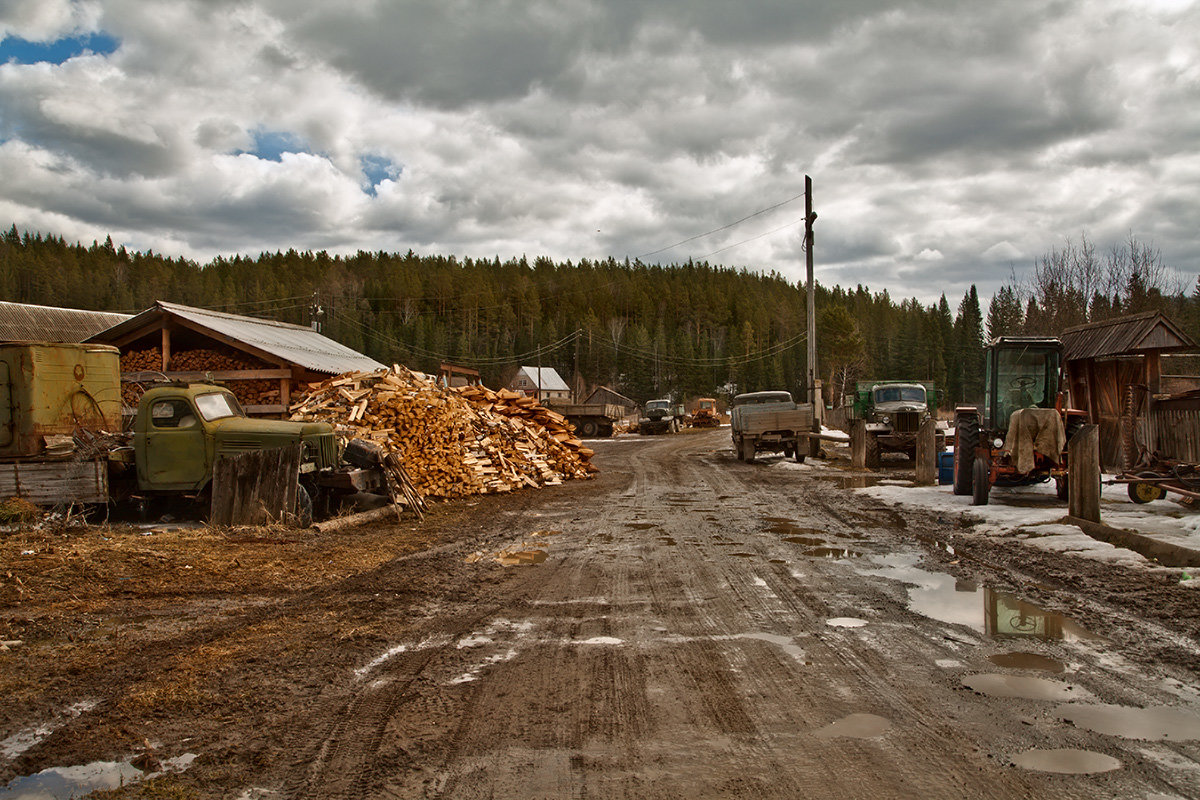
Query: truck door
[[175, 447]]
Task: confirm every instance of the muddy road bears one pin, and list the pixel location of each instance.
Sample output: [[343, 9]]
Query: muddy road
[[683, 626]]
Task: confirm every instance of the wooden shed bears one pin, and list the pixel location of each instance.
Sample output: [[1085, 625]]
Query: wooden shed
[[1114, 370], [603, 394], [264, 362]]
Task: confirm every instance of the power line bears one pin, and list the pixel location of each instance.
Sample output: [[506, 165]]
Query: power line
[[723, 227]]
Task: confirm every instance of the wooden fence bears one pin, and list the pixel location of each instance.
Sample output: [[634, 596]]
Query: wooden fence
[[255, 488]]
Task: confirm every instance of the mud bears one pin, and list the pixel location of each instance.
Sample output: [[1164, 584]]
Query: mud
[[667, 642]]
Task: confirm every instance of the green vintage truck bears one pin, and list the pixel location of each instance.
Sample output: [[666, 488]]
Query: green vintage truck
[[55, 399], [893, 412]]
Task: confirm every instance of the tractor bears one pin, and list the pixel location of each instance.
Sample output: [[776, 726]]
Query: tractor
[[1025, 408], [705, 415]]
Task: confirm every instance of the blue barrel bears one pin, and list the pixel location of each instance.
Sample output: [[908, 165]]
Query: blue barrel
[[946, 467]]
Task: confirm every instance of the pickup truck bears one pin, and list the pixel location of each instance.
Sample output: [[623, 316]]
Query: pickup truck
[[770, 422], [662, 416]]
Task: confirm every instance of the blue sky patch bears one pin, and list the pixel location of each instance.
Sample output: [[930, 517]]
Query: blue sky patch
[[378, 169], [271, 145], [22, 51]]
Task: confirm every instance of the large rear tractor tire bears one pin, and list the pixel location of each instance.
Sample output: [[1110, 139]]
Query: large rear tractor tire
[[967, 439]]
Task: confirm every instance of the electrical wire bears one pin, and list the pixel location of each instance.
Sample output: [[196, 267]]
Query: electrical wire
[[723, 227]]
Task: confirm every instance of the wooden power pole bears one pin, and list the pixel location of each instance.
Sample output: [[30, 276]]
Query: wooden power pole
[[814, 393]]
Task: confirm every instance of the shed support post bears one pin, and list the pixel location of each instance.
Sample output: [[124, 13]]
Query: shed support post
[[1083, 474]]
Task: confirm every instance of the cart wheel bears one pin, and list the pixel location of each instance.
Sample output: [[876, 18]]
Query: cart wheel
[[1145, 492]]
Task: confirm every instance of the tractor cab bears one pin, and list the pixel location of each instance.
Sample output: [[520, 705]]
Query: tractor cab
[[1022, 372]]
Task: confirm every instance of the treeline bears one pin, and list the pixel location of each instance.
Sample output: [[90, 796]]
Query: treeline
[[646, 330]]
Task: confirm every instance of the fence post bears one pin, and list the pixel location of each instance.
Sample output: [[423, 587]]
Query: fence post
[[858, 443], [927, 453], [255, 487], [1083, 474]]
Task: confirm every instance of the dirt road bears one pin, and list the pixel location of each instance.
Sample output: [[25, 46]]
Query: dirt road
[[683, 626]]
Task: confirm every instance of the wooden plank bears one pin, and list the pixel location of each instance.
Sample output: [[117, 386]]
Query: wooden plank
[[255, 488], [54, 482], [216, 375]]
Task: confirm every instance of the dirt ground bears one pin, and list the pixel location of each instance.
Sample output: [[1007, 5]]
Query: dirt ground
[[684, 625]]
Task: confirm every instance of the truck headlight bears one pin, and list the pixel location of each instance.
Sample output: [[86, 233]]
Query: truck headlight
[[998, 443], [885, 419]]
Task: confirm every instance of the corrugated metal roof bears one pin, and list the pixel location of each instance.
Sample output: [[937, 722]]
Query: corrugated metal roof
[[21, 322], [293, 343], [1131, 335], [550, 381]]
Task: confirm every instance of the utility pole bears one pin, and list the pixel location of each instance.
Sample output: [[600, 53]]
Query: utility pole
[[814, 392]]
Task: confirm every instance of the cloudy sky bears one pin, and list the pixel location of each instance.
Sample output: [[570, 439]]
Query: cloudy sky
[[949, 141]]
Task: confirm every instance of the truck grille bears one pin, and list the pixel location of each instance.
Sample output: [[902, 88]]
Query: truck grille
[[907, 422], [322, 449]]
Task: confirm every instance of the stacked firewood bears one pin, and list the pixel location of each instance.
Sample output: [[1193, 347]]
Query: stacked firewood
[[452, 442], [255, 392]]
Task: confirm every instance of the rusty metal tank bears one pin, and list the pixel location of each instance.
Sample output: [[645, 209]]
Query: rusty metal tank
[[49, 391]]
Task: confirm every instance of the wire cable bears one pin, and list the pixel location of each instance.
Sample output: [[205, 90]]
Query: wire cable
[[723, 227]]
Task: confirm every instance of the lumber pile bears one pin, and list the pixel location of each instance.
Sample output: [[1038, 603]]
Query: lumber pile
[[253, 392], [451, 442]]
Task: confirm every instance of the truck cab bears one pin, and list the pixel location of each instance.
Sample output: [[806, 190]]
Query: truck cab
[[181, 429]]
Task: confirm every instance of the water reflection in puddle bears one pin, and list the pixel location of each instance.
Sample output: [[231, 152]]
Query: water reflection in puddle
[[60, 783], [997, 614], [857, 726], [1026, 661], [811, 541], [1155, 723], [784, 643], [832, 552], [787, 527], [1066, 762], [1023, 686]]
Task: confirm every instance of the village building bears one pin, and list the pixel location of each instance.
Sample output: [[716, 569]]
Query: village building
[[267, 364], [544, 383], [22, 322], [603, 394]]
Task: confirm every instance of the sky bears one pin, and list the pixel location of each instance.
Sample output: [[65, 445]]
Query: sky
[[949, 143]]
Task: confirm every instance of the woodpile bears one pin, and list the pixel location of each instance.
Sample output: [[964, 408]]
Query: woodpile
[[254, 392], [451, 442]]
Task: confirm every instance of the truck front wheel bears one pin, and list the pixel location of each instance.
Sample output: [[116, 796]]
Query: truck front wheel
[[304, 506], [872, 452]]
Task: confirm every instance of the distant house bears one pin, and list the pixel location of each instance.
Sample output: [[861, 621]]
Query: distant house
[[543, 383], [21, 322], [603, 394]]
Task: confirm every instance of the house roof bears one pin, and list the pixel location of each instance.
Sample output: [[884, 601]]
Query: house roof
[[1135, 334], [615, 394], [550, 380], [21, 322], [292, 343]]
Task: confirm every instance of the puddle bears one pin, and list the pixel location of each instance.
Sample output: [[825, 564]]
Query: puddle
[[640, 526], [60, 783], [521, 557], [667, 540], [1026, 661], [857, 726], [742, 555], [851, 481], [787, 527], [811, 541], [1157, 723], [1023, 686], [776, 561], [999, 615], [1066, 762], [784, 643], [832, 552], [845, 622]]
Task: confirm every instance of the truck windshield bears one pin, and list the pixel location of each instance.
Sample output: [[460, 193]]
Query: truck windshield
[[900, 394], [657, 404], [217, 405]]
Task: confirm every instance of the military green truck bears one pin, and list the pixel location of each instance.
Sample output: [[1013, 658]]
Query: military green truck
[[662, 416], [61, 438], [893, 412]]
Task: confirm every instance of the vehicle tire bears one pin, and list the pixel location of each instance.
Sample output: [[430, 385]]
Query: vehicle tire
[[981, 484], [747, 450], [965, 442], [799, 453], [589, 428], [737, 450], [1062, 488], [304, 506], [787, 451], [872, 452], [1146, 492]]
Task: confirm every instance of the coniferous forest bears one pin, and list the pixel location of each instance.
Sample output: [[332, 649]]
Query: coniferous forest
[[645, 330]]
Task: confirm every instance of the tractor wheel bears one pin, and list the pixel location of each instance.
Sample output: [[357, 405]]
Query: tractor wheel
[[981, 484], [1146, 492], [967, 439], [588, 428], [872, 452]]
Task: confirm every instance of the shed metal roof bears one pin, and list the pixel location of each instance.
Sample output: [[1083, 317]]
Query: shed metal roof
[[1135, 334], [550, 380], [21, 322], [293, 343]]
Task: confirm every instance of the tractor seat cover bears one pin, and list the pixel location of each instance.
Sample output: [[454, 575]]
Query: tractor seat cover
[[1034, 429]]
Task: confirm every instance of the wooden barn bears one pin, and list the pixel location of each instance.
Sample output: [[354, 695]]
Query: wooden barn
[[1115, 372], [265, 363]]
